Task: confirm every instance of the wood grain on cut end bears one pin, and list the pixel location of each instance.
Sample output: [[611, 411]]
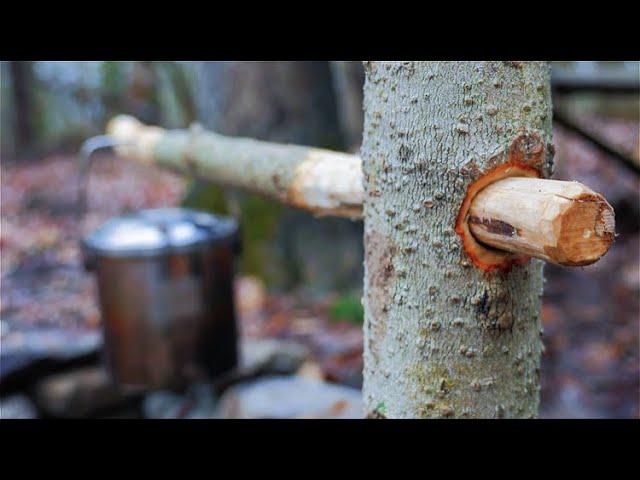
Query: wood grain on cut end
[[587, 230], [561, 222]]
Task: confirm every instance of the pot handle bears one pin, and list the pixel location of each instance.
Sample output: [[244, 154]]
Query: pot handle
[[90, 146]]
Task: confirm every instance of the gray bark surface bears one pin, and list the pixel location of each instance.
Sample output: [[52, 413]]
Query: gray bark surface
[[442, 338]]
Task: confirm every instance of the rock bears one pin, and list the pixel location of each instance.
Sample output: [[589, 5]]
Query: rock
[[290, 397], [162, 404], [257, 357], [198, 402], [80, 393], [17, 407], [29, 355], [311, 369], [271, 356], [264, 357]]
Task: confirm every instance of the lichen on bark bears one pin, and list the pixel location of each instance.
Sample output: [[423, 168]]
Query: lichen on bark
[[443, 338]]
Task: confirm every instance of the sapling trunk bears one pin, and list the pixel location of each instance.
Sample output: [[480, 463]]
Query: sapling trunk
[[444, 338]]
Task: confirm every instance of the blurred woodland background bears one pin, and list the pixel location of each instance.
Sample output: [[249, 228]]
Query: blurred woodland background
[[300, 277]]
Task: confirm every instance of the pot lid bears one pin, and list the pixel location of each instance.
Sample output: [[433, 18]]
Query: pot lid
[[156, 231]]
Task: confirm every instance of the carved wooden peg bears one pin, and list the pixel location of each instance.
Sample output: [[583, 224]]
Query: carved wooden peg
[[565, 223]]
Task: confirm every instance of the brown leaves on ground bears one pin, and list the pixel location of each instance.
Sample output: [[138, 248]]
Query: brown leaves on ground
[[336, 347], [43, 280]]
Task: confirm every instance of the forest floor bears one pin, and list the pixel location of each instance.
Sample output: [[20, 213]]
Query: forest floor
[[591, 366]]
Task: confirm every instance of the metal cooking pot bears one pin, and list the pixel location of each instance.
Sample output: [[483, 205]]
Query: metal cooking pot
[[165, 281]]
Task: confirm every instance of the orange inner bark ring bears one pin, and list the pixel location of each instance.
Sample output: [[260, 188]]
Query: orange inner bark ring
[[483, 257]]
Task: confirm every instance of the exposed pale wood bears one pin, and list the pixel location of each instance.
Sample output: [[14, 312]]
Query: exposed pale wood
[[561, 222], [321, 181]]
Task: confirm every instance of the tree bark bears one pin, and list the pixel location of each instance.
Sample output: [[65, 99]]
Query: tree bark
[[443, 338]]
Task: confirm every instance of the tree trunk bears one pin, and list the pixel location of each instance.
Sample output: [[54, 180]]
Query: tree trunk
[[442, 337], [348, 79], [289, 102], [22, 79]]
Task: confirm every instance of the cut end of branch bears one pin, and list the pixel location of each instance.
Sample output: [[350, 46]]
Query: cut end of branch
[[483, 256], [136, 140], [586, 231], [560, 222]]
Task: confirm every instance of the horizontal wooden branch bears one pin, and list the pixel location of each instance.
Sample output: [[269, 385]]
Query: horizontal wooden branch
[[560, 222], [317, 180]]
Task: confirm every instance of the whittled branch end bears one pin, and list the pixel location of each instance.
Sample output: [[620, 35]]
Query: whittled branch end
[[560, 222]]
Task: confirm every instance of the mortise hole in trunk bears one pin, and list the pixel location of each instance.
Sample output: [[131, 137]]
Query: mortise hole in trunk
[[483, 256]]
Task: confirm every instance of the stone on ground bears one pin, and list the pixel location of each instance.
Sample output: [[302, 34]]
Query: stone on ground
[[290, 397], [271, 356], [17, 407], [79, 393]]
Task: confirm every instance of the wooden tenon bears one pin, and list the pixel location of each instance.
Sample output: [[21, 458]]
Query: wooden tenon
[[560, 222]]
